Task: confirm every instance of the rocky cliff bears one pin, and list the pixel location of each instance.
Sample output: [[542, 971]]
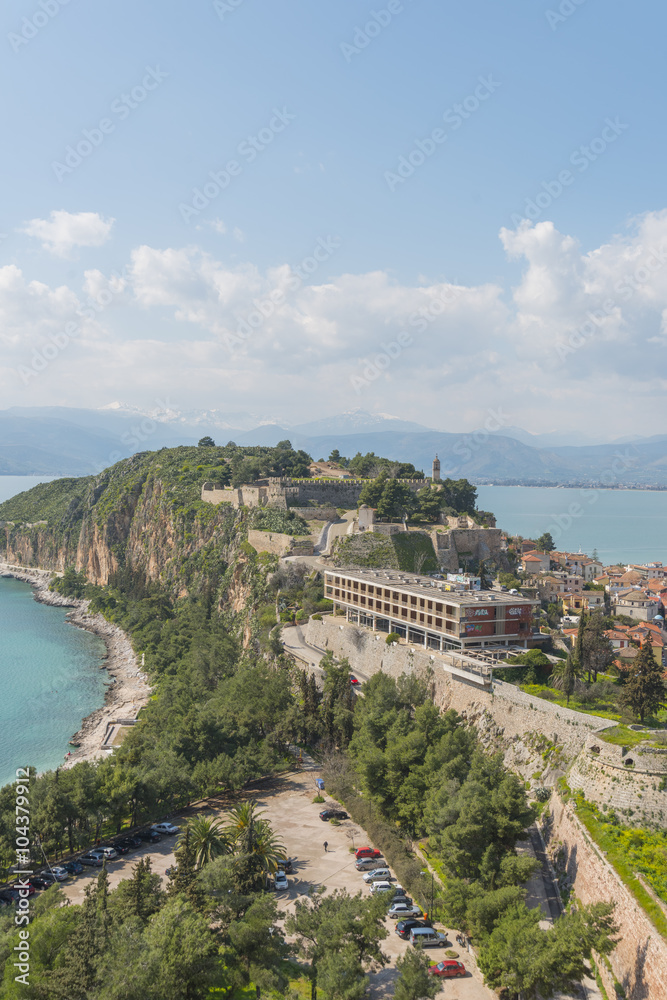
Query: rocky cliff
[[143, 516]]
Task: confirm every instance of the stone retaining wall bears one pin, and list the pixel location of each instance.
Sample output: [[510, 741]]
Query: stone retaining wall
[[639, 961]]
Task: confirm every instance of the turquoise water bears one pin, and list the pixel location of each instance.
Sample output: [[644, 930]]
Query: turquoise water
[[50, 680], [627, 526]]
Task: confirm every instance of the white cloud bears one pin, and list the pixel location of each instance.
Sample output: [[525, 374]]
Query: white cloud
[[202, 331], [63, 231]]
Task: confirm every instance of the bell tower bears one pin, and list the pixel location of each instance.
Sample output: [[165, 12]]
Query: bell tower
[[436, 470]]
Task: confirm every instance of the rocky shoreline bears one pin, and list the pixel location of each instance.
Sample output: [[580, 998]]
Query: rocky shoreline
[[129, 690]]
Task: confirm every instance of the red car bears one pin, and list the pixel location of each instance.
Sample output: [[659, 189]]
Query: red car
[[354, 680], [448, 969], [367, 852]]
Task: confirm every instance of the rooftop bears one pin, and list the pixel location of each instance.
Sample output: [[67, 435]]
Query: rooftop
[[415, 584]]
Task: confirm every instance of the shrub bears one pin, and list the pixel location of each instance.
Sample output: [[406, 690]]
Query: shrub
[[316, 617], [392, 637]]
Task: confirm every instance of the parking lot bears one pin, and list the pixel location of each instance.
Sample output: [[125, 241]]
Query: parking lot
[[288, 805]]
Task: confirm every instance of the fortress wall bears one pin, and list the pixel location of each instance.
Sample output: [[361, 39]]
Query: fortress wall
[[639, 960]]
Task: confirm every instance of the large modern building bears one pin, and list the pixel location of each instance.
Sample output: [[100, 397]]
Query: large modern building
[[421, 609]]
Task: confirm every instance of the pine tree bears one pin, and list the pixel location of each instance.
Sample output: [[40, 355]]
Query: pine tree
[[644, 691]]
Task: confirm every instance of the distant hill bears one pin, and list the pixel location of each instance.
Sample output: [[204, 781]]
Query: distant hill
[[76, 442]]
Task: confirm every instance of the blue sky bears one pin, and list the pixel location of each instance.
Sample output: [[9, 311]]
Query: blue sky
[[357, 88]]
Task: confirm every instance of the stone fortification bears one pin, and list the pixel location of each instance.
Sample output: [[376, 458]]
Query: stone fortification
[[629, 780], [279, 544], [316, 513], [639, 961], [453, 547], [283, 493]]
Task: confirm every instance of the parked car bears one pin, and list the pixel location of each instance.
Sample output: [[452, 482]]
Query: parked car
[[73, 867], [377, 888], [376, 874], [106, 853], [49, 878], [167, 828], [171, 870], [9, 895], [286, 865], [403, 927], [367, 852], [150, 836], [448, 969], [366, 864], [404, 910], [60, 872], [353, 680], [426, 937], [29, 887], [120, 848], [39, 883], [129, 842], [94, 860], [280, 882], [333, 814]]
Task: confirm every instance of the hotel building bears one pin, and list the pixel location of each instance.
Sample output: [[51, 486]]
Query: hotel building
[[422, 611]]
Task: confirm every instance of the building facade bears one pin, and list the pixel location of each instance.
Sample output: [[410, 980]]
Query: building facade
[[423, 611]]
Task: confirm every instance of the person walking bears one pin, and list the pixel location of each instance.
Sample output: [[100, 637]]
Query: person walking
[[326, 846]]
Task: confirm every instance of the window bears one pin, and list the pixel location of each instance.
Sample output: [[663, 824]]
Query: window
[[356, 585], [413, 601], [438, 623], [337, 580], [429, 618], [395, 596], [422, 603], [413, 616], [337, 593], [438, 608], [394, 609], [421, 619], [362, 587], [449, 611]]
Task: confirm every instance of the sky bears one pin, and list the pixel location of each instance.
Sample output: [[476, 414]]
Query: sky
[[453, 213]]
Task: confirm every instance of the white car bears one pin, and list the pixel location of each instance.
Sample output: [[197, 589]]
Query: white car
[[403, 911], [280, 882], [104, 853], [165, 828], [379, 887]]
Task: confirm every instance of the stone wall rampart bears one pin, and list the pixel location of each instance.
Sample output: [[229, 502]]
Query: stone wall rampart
[[316, 513], [278, 543], [639, 960]]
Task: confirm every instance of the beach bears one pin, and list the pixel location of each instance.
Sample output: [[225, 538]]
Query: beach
[[129, 690]]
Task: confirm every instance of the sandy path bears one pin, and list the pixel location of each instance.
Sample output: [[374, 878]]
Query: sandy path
[[130, 690]]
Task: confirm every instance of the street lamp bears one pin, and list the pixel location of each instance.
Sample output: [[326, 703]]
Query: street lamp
[[425, 871]]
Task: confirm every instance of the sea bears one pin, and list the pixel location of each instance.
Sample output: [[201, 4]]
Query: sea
[[50, 673], [50, 676], [623, 526]]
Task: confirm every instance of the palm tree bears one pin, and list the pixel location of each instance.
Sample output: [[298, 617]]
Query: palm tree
[[252, 834], [566, 676], [208, 839]]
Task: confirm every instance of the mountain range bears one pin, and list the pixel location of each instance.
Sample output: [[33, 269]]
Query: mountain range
[[74, 442]]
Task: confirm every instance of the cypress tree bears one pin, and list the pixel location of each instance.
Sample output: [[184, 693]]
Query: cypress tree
[[644, 691]]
